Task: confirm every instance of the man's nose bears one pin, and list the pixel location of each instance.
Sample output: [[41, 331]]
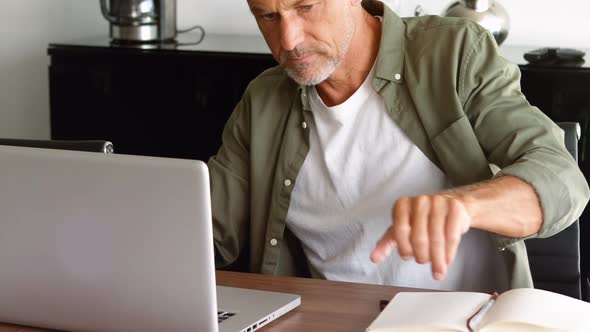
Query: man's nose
[[291, 33]]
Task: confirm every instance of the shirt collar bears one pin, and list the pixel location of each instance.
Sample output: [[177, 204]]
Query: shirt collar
[[390, 58]]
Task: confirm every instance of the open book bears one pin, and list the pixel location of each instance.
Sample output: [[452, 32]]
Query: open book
[[517, 310]]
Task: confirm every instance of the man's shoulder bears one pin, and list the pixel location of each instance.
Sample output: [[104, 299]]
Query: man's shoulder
[[443, 29], [270, 79], [275, 72], [271, 88]]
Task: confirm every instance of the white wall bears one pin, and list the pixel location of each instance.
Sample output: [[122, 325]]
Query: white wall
[[564, 23], [28, 26]]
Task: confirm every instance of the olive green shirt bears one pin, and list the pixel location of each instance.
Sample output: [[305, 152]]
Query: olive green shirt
[[446, 86]]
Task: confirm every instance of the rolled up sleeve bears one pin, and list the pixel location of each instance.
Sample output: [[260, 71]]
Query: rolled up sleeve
[[520, 139]]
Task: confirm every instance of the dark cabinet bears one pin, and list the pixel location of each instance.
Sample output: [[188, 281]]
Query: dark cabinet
[[158, 102], [173, 101]]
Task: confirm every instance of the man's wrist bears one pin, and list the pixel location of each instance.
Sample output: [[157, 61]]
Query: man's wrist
[[470, 205], [463, 195]]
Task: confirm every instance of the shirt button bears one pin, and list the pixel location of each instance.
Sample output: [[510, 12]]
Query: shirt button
[[273, 242], [287, 183], [304, 125], [398, 76]]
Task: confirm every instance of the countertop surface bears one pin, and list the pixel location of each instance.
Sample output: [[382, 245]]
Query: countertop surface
[[247, 44]]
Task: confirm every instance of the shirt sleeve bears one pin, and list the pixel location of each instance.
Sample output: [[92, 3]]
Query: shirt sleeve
[[230, 182], [519, 138]]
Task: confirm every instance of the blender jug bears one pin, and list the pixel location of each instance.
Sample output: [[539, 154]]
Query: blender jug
[[140, 20]]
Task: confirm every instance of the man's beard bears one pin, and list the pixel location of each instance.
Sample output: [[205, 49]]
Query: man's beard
[[310, 73], [314, 73]]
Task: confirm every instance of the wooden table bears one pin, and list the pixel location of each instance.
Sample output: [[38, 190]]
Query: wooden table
[[325, 305]]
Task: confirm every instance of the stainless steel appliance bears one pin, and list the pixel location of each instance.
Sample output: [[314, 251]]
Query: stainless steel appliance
[[488, 13], [140, 21]]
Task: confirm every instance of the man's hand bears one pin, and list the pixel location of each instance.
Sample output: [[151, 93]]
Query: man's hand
[[428, 228]]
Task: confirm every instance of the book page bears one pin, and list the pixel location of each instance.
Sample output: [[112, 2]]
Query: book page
[[534, 307], [439, 311]]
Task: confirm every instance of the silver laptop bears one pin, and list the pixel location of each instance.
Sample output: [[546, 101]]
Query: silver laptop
[[106, 242]]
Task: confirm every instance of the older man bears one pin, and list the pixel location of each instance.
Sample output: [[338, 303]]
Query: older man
[[365, 155]]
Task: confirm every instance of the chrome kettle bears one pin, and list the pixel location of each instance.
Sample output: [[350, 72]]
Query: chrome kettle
[[488, 13], [140, 20]]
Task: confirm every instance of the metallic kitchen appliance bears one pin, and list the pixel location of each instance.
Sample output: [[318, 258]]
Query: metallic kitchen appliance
[[140, 21]]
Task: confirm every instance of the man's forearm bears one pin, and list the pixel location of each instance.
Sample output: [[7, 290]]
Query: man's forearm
[[505, 205]]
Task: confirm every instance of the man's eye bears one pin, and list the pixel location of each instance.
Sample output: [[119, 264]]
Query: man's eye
[[306, 8], [268, 17]]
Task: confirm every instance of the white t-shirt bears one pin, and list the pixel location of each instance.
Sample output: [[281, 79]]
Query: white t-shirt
[[358, 165]]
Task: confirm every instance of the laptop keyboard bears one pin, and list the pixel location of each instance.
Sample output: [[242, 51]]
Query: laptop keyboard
[[223, 315]]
